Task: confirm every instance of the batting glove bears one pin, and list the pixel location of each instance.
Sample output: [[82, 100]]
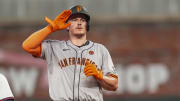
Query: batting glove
[[91, 70], [59, 23]]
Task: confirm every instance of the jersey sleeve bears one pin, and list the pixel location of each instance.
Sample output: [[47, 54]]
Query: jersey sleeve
[[5, 91], [46, 50], [107, 63], [49, 49]]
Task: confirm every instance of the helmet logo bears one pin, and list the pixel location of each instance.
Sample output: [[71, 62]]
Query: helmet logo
[[78, 8]]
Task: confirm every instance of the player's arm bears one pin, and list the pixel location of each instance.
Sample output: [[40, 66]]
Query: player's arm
[[108, 82], [33, 43]]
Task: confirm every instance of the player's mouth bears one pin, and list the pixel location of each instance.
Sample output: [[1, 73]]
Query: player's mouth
[[79, 28]]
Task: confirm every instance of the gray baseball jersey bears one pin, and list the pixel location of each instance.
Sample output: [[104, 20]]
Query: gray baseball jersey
[[66, 62], [5, 91]]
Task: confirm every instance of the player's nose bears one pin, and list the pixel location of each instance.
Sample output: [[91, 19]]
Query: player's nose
[[79, 22]]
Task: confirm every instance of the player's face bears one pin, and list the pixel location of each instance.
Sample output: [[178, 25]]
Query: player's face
[[78, 25]]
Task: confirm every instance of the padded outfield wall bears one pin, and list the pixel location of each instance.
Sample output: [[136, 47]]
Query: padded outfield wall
[[146, 56]]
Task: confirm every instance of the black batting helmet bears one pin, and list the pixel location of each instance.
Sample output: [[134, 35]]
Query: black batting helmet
[[78, 9]]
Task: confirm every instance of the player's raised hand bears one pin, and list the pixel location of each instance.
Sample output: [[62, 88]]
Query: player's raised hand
[[59, 23], [91, 70]]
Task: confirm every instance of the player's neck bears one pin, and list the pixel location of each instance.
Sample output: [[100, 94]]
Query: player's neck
[[78, 41]]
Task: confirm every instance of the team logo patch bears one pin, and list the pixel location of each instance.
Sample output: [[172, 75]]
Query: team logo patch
[[78, 8], [91, 52]]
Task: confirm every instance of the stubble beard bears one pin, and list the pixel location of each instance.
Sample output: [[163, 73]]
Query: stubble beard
[[80, 35]]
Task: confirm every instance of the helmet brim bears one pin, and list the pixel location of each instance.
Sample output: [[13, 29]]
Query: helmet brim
[[86, 16]]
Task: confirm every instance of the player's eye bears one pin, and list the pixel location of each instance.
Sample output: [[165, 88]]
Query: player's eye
[[74, 20], [83, 20]]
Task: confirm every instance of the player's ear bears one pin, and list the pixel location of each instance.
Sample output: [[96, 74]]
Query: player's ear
[[67, 29]]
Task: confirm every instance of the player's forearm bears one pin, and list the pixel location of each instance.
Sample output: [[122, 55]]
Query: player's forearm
[[109, 83], [34, 40]]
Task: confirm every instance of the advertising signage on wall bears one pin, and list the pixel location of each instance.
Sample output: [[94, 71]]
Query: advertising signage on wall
[[28, 78]]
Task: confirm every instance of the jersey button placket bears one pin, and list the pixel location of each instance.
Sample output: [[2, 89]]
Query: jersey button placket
[[77, 74]]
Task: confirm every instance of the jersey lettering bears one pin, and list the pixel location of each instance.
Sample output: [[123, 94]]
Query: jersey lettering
[[73, 61]]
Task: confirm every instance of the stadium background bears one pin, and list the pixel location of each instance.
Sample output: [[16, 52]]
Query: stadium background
[[142, 36]]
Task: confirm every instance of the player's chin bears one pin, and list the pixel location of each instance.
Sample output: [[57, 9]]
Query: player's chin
[[80, 33]]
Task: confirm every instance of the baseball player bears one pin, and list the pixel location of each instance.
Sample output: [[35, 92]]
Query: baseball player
[[5, 91], [78, 68]]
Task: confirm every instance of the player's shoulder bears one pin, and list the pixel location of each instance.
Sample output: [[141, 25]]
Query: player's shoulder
[[5, 94], [54, 41], [2, 78], [102, 48], [99, 45]]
